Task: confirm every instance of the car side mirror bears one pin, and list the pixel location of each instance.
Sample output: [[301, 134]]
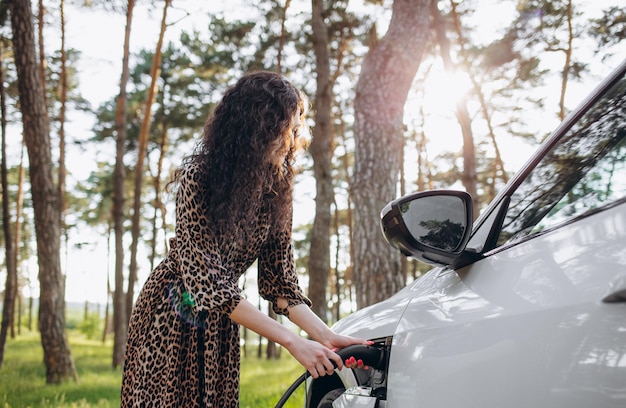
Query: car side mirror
[[431, 226]]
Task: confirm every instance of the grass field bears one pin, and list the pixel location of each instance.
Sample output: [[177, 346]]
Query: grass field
[[22, 377]]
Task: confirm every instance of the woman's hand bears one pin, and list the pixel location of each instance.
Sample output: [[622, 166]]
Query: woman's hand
[[315, 357], [338, 341], [325, 337], [318, 357], [352, 362]]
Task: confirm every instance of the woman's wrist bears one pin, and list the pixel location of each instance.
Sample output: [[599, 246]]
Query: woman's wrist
[[325, 335], [308, 321], [288, 339]]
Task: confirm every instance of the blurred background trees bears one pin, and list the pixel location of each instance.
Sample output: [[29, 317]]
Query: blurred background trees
[[405, 95]]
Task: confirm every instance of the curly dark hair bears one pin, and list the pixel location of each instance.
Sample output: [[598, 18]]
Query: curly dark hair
[[246, 153]]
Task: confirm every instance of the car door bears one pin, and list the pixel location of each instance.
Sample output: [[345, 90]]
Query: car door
[[539, 320]]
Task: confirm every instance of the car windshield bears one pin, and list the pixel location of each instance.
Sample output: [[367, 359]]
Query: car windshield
[[584, 171]]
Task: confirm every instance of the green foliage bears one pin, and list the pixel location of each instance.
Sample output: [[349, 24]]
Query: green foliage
[[610, 28], [22, 377], [91, 327]]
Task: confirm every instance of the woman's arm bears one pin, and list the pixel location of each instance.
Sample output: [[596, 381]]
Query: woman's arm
[[308, 321], [316, 358]]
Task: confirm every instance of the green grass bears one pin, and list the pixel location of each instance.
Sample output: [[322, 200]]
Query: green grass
[[22, 377], [263, 382]]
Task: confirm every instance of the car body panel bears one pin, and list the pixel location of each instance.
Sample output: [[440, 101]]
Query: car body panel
[[381, 319], [548, 341]]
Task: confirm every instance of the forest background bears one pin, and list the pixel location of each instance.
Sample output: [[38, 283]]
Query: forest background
[[406, 95]]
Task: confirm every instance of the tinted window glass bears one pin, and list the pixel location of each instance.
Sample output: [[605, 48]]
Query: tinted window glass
[[586, 170]]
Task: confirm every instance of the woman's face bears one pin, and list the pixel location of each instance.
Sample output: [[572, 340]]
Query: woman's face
[[289, 140], [294, 128]]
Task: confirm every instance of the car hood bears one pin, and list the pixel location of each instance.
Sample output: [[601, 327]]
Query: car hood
[[381, 319]]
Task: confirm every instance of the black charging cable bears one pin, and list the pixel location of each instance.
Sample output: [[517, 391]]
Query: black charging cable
[[372, 356]]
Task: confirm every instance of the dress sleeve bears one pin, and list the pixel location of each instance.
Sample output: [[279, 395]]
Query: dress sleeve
[[207, 284], [277, 273]]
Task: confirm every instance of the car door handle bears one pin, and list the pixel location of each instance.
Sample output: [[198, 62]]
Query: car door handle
[[617, 290]]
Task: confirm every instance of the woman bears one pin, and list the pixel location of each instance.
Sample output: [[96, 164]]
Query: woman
[[233, 207]]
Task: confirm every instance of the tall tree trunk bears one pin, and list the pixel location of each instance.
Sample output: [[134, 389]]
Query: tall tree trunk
[[470, 175], [345, 160], [155, 72], [10, 287], [63, 102], [120, 313], [159, 208], [43, 63], [57, 356], [348, 275], [105, 330], [386, 76], [499, 170], [321, 151], [337, 287], [31, 311], [19, 207], [281, 40], [271, 352]]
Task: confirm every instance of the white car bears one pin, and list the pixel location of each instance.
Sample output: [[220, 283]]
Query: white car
[[527, 306]]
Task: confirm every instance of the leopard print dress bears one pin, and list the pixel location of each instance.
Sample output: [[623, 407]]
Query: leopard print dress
[[183, 350]]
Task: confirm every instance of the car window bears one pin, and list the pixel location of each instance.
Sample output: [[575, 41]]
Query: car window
[[584, 171]]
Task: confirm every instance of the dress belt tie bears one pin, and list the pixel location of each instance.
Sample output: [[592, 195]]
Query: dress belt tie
[[201, 333]]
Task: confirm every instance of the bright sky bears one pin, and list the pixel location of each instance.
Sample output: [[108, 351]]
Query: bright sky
[[99, 36]]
